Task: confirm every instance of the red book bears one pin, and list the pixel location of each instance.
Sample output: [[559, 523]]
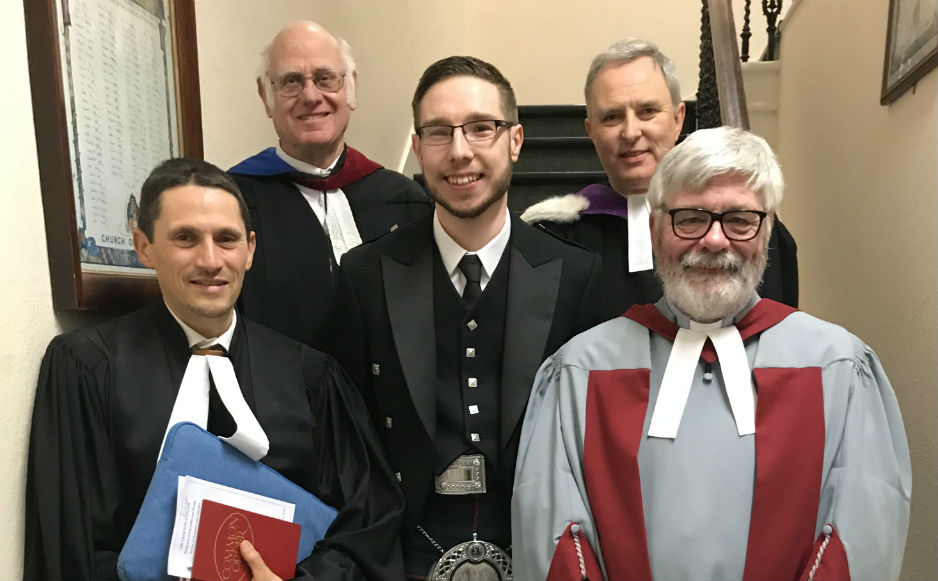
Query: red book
[[218, 544]]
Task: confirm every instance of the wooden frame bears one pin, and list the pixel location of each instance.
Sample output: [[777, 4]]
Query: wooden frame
[[73, 286], [911, 47]]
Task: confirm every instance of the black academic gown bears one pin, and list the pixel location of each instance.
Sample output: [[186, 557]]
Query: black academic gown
[[104, 398], [386, 311], [608, 235], [291, 285]]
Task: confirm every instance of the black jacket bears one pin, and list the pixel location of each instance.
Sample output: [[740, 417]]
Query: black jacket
[[385, 318]]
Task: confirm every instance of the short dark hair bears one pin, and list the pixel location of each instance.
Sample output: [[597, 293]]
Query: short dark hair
[[181, 171], [458, 66]]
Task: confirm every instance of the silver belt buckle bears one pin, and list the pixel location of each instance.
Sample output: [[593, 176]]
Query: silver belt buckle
[[466, 475], [476, 560]]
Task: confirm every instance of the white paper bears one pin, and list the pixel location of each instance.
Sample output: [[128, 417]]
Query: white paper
[[190, 494]]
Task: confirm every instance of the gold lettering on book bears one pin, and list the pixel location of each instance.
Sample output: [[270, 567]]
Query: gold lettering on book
[[228, 562]]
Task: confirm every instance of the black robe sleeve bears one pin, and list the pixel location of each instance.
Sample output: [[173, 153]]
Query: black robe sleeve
[[72, 485], [351, 474], [82, 499]]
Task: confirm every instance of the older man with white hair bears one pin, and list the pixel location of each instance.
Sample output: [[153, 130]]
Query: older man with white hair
[[312, 198], [713, 434]]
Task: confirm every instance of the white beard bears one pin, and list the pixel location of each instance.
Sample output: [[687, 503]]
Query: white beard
[[711, 297]]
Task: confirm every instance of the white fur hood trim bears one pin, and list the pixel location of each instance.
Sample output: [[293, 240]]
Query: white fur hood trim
[[563, 209]]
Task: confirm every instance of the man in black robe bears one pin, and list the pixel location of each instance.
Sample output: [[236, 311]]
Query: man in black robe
[[634, 116], [312, 197], [105, 396]]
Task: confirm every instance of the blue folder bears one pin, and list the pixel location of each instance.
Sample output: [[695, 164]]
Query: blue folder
[[191, 451]]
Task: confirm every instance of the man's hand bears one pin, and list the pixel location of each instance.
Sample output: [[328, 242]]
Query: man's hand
[[259, 570]]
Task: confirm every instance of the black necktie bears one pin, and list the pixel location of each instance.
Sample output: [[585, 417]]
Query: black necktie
[[471, 266], [220, 421]]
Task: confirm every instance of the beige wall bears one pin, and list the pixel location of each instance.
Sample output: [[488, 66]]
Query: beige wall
[[862, 202], [231, 34], [26, 315], [543, 46]]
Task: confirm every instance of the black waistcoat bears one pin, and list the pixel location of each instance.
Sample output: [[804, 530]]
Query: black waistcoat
[[469, 347], [452, 519]]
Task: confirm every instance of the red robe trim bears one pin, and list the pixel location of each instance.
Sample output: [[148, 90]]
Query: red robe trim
[[763, 315], [789, 459], [789, 456], [354, 167], [616, 403], [565, 565], [833, 566]]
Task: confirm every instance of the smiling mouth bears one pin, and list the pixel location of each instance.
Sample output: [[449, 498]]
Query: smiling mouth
[[209, 283], [629, 154], [463, 180], [309, 116]]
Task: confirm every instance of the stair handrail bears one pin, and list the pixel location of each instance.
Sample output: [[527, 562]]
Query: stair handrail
[[729, 76]]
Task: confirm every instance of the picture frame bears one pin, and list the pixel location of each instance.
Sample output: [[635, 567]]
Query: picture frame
[[911, 46], [115, 90]]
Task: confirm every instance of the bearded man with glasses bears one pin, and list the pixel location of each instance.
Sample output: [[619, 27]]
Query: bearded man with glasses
[[713, 434], [312, 198], [443, 325]]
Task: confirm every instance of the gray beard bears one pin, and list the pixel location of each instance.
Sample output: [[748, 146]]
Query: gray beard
[[499, 189], [711, 298]]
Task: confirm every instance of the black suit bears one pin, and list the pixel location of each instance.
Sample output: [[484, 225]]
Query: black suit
[[385, 318]]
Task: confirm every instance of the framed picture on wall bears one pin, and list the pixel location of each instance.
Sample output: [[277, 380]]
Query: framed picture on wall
[[911, 45], [115, 90]]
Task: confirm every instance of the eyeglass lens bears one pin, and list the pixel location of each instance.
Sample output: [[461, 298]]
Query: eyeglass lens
[[474, 131], [737, 225], [291, 84]]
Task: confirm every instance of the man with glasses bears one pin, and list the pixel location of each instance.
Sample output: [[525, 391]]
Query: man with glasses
[[634, 116], [445, 322], [312, 197], [713, 434]]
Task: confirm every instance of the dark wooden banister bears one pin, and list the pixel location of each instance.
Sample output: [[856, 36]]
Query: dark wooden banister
[[729, 76]]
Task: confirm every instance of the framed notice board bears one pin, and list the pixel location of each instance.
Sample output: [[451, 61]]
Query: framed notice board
[[115, 90], [911, 46]]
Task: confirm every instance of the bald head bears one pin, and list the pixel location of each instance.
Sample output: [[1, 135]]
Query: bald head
[[310, 120], [306, 36]]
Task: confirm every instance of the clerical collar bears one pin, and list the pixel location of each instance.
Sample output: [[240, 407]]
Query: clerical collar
[[451, 252], [674, 314], [683, 361], [192, 397], [196, 339], [304, 167], [633, 208]]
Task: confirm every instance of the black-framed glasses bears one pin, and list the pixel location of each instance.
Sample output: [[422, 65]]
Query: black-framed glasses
[[694, 223], [474, 131], [291, 84]]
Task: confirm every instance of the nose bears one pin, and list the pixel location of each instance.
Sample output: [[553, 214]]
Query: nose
[[310, 92], [459, 148], [629, 130], [715, 240], [208, 256]]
